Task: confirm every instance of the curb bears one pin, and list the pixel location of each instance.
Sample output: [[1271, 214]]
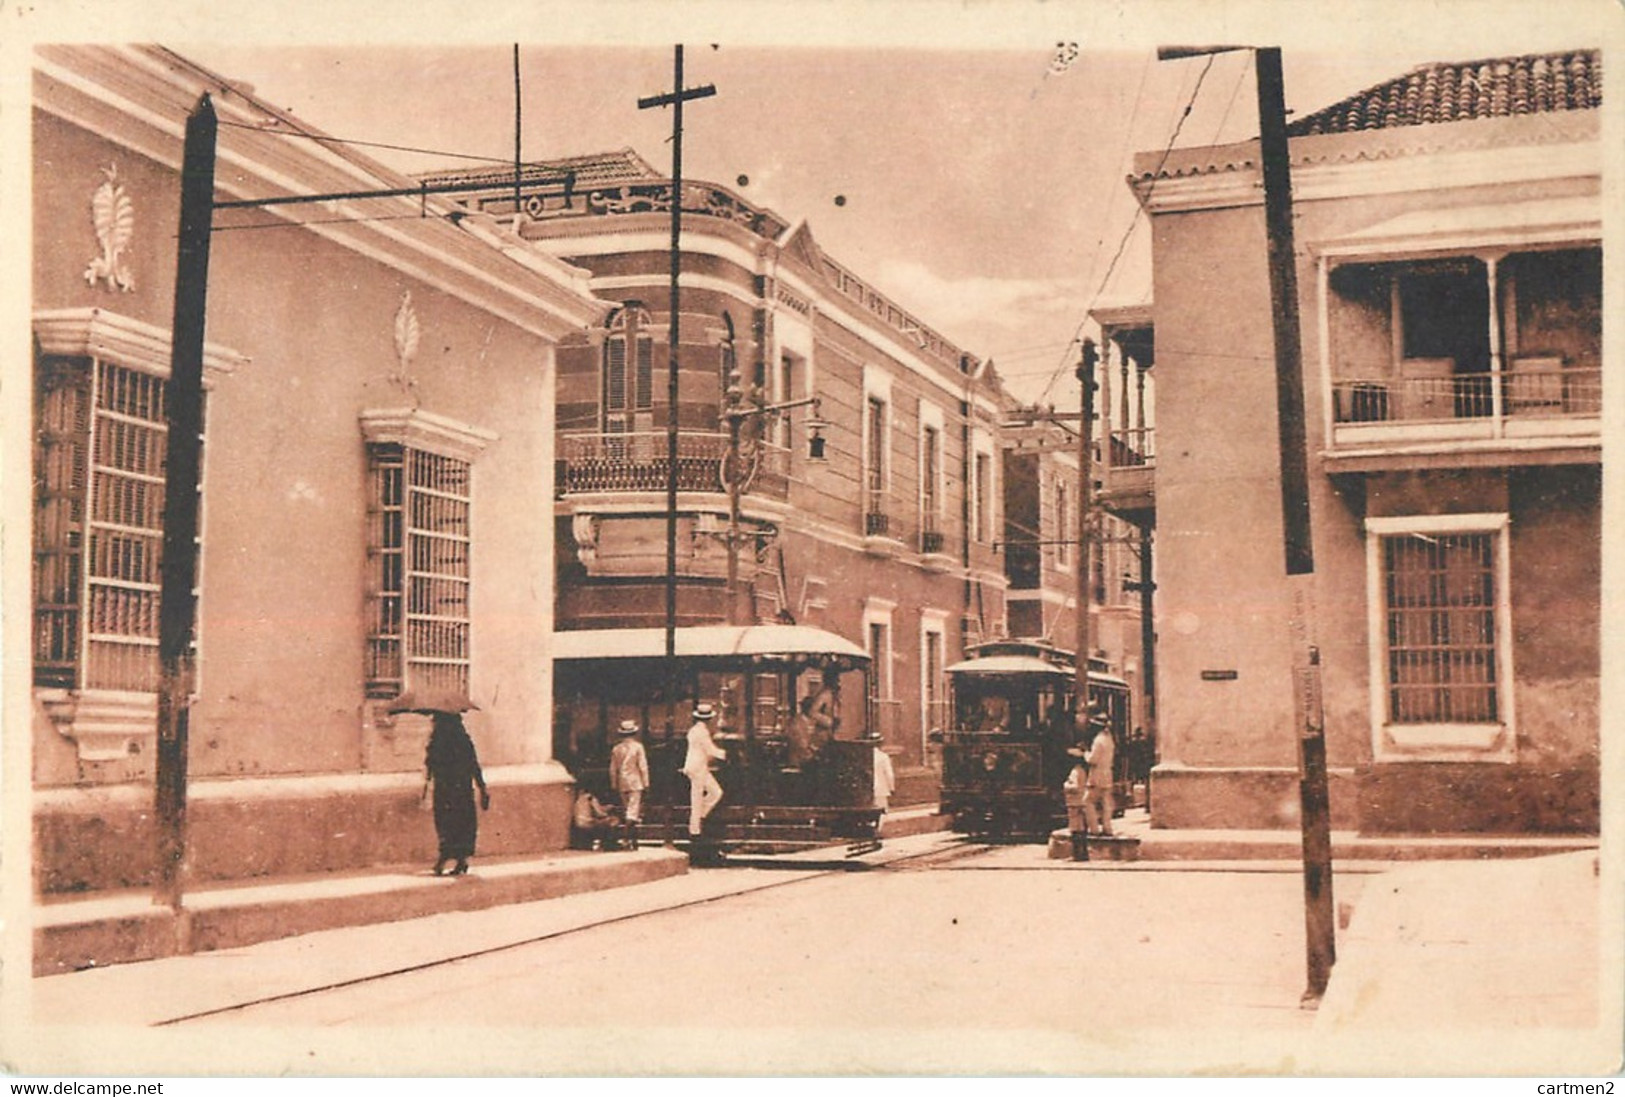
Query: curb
[[74, 935]]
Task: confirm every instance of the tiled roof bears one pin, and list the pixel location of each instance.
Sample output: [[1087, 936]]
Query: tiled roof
[[1463, 91], [599, 169]]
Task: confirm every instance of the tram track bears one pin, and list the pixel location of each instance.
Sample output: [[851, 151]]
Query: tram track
[[808, 871]]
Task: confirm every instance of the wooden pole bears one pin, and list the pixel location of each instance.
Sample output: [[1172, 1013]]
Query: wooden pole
[[184, 417], [1319, 925], [674, 99], [1087, 361]]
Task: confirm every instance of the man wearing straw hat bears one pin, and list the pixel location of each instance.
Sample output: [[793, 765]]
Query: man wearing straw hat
[[704, 792], [629, 776]]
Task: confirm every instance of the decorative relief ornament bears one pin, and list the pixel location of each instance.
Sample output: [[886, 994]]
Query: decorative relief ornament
[[406, 331], [113, 215]]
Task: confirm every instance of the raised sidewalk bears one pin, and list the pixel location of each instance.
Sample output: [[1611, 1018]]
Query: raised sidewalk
[[74, 933]]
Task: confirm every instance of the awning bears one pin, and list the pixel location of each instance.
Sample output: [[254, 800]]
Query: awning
[[1545, 221], [701, 641]]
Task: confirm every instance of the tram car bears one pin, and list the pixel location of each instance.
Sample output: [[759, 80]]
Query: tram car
[[1005, 759], [792, 717]]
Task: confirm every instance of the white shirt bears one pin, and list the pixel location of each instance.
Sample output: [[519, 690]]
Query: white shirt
[[701, 750]]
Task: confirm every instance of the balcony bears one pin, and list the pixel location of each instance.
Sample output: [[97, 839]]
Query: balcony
[[636, 462], [1540, 407], [1127, 473], [1484, 356]]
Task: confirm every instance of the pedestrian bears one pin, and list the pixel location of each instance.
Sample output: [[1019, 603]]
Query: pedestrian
[[1097, 798], [704, 791], [452, 766], [1074, 790], [885, 777], [594, 822], [629, 776]]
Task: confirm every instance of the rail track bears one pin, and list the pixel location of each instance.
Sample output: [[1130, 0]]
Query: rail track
[[808, 871]]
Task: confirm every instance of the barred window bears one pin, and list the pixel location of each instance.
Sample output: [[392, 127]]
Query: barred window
[[99, 464], [1440, 606], [420, 542]]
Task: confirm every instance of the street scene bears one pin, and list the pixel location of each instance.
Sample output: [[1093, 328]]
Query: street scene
[[1074, 552]]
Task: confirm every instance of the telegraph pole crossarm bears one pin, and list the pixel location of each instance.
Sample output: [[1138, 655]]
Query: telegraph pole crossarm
[[674, 99]]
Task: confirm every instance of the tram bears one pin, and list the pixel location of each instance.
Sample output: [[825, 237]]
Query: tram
[[1004, 759], [792, 717]]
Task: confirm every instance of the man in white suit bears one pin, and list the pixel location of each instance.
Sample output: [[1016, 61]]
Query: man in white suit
[[704, 791]]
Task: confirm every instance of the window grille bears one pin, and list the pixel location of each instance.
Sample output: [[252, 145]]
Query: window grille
[[1440, 603], [419, 620], [101, 441]]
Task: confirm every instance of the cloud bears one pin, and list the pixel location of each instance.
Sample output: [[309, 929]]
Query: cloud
[[959, 306]]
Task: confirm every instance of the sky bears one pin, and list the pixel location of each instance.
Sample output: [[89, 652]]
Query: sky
[[969, 165]]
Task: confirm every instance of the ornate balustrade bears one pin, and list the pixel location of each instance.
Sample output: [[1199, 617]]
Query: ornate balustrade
[[637, 462]]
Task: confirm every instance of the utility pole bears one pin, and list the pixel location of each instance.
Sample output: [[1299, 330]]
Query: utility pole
[[177, 607], [738, 472], [1314, 798], [674, 99], [1088, 358]]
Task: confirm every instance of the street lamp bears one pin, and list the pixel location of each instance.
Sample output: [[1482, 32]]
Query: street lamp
[[738, 469]]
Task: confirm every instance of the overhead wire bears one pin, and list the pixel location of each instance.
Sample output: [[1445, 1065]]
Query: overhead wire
[[1122, 244], [275, 131]]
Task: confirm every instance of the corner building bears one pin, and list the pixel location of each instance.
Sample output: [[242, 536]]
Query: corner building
[[888, 541], [1449, 261]]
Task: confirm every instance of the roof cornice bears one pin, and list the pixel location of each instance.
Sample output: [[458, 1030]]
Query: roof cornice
[[1531, 149], [140, 97]]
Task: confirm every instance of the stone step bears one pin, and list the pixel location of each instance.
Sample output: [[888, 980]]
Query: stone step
[[119, 927]]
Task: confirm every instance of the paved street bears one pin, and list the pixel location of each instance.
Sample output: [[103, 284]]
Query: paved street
[[941, 957], [977, 959]]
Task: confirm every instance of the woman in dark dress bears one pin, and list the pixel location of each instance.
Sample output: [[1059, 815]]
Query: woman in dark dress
[[454, 770]]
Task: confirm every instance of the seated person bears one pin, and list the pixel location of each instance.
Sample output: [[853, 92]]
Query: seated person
[[595, 823], [994, 716], [816, 723]]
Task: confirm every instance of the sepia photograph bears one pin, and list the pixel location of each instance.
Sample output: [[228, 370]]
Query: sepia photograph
[[888, 541]]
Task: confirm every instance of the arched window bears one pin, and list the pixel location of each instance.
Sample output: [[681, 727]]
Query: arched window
[[628, 386]]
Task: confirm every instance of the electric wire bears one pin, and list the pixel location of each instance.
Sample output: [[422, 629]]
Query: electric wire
[[1122, 244], [358, 143]]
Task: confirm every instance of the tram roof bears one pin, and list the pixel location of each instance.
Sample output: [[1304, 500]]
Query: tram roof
[[1010, 664], [1025, 664], [706, 641]]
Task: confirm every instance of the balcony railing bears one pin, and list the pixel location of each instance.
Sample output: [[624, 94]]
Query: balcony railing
[[1525, 394], [637, 462], [931, 538], [1132, 448]]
